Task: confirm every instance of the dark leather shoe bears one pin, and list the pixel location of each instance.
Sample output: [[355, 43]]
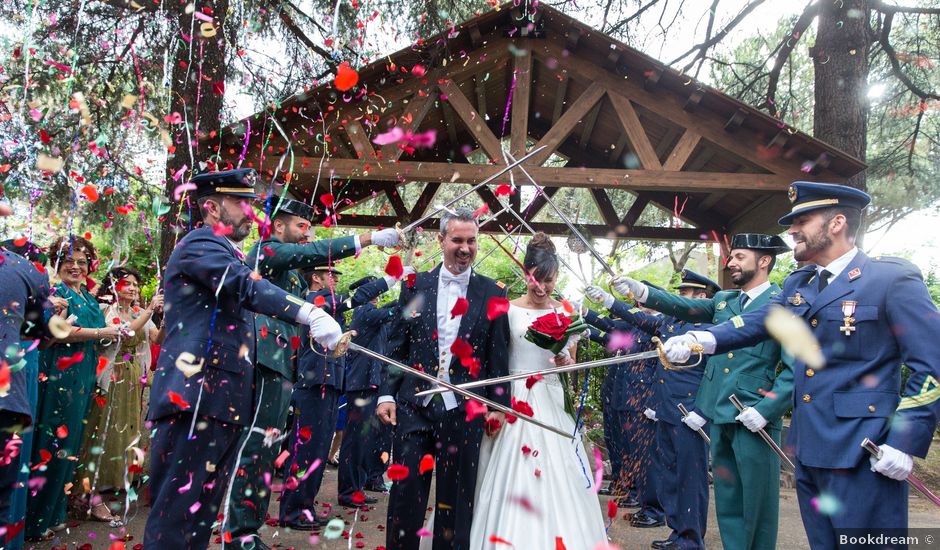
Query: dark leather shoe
[[643, 521], [302, 525], [350, 504], [375, 488], [628, 502], [667, 544]]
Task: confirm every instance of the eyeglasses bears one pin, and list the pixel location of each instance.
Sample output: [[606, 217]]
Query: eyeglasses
[[80, 263]]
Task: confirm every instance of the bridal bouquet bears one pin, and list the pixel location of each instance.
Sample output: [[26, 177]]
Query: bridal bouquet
[[551, 331]]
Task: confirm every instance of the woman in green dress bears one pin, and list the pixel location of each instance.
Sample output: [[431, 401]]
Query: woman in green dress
[[66, 381], [115, 439]]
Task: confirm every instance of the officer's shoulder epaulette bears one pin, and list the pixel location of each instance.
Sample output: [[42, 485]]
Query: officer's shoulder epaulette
[[500, 284], [718, 295], [895, 260]]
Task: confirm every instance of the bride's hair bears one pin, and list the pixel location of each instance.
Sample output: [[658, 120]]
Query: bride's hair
[[540, 259]]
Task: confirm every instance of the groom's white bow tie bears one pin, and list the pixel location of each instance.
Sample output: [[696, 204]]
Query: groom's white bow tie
[[449, 278]]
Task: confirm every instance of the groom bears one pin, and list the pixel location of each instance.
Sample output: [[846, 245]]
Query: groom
[[435, 334]]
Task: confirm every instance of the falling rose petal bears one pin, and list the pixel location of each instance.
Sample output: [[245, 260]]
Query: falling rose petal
[[532, 380], [598, 469], [62, 431], [612, 508], [66, 362], [498, 540], [358, 497], [90, 192], [392, 136], [496, 307], [427, 464], [326, 199], [503, 189], [461, 348], [474, 409], [177, 400], [418, 70], [423, 533], [522, 407], [560, 544], [481, 210], [221, 230], [411, 278], [397, 472], [346, 77], [319, 301], [394, 267], [460, 307], [5, 377], [102, 364]]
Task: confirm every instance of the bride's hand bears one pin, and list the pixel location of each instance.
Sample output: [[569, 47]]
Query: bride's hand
[[493, 422], [563, 359]]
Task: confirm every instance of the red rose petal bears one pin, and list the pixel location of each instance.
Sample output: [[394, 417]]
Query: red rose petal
[[460, 307], [177, 400], [346, 77], [427, 464], [496, 306], [394, 267], [474, 409], [397, 472]]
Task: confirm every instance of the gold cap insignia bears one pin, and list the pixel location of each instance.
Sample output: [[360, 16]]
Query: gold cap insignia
[[791, 193]]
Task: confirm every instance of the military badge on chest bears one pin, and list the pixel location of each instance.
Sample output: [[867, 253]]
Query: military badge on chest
[[797, 300], [848, 321]]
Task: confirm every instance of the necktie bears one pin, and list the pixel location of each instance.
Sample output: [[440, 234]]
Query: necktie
[[744, 300], [823, 281]]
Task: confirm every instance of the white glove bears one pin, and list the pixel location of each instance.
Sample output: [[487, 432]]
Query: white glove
[[694, 421], [650, 413], [599, 295], [390, 281], [751, 419], [406, 271], [385, 237], [626, 286], [326, 331], [893, 463], [679, 348]]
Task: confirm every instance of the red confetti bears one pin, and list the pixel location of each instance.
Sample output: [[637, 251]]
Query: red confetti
[[44, 136], [90, 192], [411, 278], [62, 431], [294, 342], [102, 363], [66, 362], [612, 508], [221, 230], [177, 400], [559, 543], [397, 472], [346, 77], [21, 241], [326, 199], [503, 189], [394, 267], [474, 409], [418, 70], [427, 464], [461, 349], [496, 307], [319, 301], [460, 307], [497, 540], [530, 381], [481, 210], [358, 497]]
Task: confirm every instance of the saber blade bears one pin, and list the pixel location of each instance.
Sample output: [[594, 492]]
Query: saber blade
[[515, 163], [554, 370], [701, 432], [566, 220], [493, 405], [764, 435], [916, 483]]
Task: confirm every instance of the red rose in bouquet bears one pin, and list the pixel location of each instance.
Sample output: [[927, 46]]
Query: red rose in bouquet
[[552, 324]]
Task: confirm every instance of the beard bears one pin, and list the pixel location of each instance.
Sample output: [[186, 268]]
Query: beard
[[743, 277], [811, 245], [240, 227]]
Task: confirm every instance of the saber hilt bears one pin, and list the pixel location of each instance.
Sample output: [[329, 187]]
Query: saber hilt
[[764, 435], [668, 365], [493, 405], [875, 451], [685, 412]]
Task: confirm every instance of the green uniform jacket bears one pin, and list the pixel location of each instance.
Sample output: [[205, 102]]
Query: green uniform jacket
[[278, 263], [750, 373]]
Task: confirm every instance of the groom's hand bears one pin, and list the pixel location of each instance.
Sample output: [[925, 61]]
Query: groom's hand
[[386, 413], [493, 422]]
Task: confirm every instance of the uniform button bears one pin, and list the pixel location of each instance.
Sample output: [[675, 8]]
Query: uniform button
[[661, 381], [727, 370], [810, 372], [871, 408], [814, 322], [451, 371], [730, 355], [215, 361], [807, 398]]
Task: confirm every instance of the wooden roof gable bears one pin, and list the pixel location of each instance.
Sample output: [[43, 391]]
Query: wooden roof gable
[[612, 120]]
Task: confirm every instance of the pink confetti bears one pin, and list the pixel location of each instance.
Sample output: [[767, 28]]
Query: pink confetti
[[180, 189], [196, 506], [188, 486], [598, 469]]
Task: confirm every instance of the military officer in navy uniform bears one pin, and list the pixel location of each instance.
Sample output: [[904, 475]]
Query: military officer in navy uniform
[[24, 300], [315, 400], [747, 470], [681, 453], [869, 316], [202, 392], [629, 431], [277, 258], [360, 466]]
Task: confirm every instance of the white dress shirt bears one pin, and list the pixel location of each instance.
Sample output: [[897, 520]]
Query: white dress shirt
[[755, 292], [838, 265]]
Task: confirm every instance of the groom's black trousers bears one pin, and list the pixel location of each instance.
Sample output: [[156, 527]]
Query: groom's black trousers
[[455, 445]]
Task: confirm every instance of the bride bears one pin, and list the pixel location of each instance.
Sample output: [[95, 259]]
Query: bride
[[535, 488]]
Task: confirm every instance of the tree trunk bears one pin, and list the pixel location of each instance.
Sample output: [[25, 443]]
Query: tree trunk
[[840, 58], [193, 96]]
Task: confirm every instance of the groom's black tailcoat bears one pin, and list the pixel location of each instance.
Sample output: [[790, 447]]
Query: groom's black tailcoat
[[446, 435]]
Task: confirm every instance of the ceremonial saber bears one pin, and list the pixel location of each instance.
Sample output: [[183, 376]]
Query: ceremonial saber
[[565, 219], [875, 451], [515, 163], [657, 353], [764, 435], [701, 432], [457, 389]]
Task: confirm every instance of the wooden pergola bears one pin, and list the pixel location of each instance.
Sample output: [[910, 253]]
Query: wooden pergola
[[616, 118]]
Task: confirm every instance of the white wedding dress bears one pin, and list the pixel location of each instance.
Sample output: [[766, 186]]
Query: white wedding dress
[[534, 486]]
